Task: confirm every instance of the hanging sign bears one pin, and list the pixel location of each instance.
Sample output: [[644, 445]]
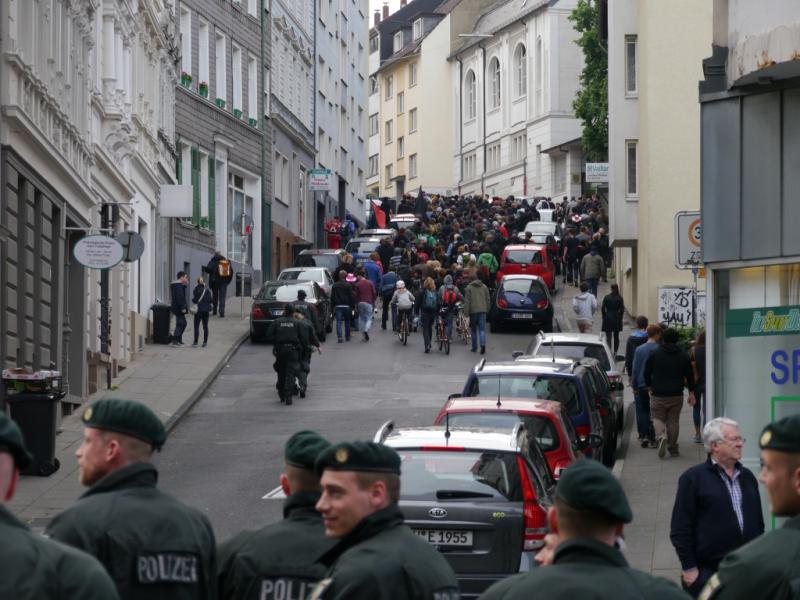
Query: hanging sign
[[132, 245], [98, 252]]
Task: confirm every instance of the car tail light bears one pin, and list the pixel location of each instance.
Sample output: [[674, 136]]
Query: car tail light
[[257, 313], [501, 302], [541, 304], [534, 516]]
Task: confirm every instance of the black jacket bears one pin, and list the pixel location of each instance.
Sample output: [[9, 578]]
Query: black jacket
[[613, 310], [342, 294], [212, 268], [636, 339], [704, 526], [668, 371], [203, 297], [177, 292]]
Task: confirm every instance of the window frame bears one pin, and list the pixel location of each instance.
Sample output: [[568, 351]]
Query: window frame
[[388, 171], [401, 146], [388, 131], [416, 29], [412, 119], [631, 144], [521, 70], [412, 74], [374, 119], [401, 103], [389, 87], [495, 82], [631, 40], [470, 95], [412, 166], [374, 161], [397, 41]]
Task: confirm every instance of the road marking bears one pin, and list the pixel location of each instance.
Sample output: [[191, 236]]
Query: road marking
[[276, 494]]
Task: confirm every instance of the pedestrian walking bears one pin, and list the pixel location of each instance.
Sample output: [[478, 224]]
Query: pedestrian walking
[[33, 567], [308, 310], [613, 312], [637, 337], [717, 506], [387, 287], [202, 297], [220, 274], [308, 342], [477, 302], [378, 556], [644, 421], [373, 268], [584, 305], [593, 268], [698, 358], [570, 257], [769, 566], [449, 297], [289, 344], [429, 308], [152, 545], [365, 297], [581, 558], [282, 560], [667, 371], [179, 307], [343, 305]]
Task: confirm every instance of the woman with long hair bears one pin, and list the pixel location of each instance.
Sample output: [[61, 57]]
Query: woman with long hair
[[613, 311]]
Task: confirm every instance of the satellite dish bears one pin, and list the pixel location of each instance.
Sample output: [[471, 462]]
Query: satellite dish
[[132, 245]]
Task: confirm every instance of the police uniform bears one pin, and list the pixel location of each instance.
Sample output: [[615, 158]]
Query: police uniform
[[280, 561], [769, 566], [585, 567], [309, 312], [285, 331], [33, 567], [152, 545], [308, 340], [381, 558]]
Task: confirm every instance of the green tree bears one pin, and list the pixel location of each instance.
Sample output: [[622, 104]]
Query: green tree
[[591, 102]]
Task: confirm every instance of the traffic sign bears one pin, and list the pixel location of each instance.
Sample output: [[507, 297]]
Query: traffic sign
[[98, 252], [688, 238], [244, 224], [319, 180]]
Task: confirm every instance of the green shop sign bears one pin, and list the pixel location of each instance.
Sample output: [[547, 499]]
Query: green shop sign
[[770, 320]]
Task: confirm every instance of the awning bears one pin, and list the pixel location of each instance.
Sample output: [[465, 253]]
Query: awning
[[562, 146]]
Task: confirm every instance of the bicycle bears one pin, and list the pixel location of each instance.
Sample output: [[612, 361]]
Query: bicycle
[[462, 327], [441, 333], [403, 328]]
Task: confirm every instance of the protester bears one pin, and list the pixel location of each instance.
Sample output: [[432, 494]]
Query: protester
[[178, 306], [220, 274], [637, 337], [644, 421], [449, 297], [477, 302], [584, 305], [613, 311], [429, 306], [387, 287], [343, 303], [593, 268], [202, 297], [364, 296]]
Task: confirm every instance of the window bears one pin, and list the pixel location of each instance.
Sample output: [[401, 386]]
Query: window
[[518, 147], [237, 77], [186, 41], [374, 44], [252, 7], [412, 74], [494, 79], [238, 203], [252, 88], [389, 175], [389, 132], [521, 68], [373, 85], [389, 86], [203, 58], [469, 95], [401, 102], [559, 165], [417, 29], [631, 159], [398, 42], [539, 62], [493, 157], [412, 166], [220, 88], [373, 165], [412, 120], [630, 64], [468, 167], [373, 124], [401, 147]]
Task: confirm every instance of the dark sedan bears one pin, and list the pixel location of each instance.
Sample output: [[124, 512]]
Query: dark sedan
[[268, 305], [521, 299]]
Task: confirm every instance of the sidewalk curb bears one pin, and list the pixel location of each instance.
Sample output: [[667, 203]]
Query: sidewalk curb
[[622, 451], [184, 408]]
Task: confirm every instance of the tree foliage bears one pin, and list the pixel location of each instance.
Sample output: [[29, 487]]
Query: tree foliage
[[591, 102]]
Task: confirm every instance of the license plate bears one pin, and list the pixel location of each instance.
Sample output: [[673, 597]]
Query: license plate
[[521, 316], [445, 537], [277, 312]]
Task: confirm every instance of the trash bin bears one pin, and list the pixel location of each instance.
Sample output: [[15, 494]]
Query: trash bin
[[32, 399], [248, 285], [161, 313]]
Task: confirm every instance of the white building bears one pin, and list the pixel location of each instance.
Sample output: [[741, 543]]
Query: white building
[[373, 180], [518, 72]]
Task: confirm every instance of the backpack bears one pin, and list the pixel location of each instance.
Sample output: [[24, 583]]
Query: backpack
[[449, 297], [224, 268], [429, 300]]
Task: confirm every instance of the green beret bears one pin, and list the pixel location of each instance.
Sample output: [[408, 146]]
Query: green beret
[[359, 456], [11, 441], [303, 448], [588, 485], [782, 435], [126, 416]]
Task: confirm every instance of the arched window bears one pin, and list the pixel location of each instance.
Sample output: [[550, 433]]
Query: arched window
[[521, 68], [494, 81], [469, 95]]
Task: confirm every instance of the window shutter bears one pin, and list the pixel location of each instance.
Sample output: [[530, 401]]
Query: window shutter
[[211, 192], [195, 186]]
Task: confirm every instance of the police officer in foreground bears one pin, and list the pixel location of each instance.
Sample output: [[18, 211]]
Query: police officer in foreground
[[31, 566], [307, 309], [308, 341], [285, 333], [281, 560], [588, 516], [152, 545], [769, 566], [377, 557]]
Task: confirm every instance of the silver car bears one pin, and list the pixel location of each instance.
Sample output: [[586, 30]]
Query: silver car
[[321, 275]]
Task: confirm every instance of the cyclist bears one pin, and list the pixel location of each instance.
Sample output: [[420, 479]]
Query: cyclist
[[404, 301], [449, 297]]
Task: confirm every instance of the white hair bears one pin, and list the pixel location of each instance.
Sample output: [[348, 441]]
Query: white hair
[[712, 432]]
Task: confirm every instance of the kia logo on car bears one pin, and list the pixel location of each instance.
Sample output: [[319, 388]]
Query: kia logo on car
[[437, 512]]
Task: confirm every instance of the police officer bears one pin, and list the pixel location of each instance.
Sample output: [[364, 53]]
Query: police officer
[[769, 566], [31, 566], [309, 340], [281, 560], [307, 310], [378, 557], [152, 545], [589, 514], [285, 330]]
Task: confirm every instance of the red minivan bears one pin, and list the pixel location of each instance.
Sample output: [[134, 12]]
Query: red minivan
[[528, 259]]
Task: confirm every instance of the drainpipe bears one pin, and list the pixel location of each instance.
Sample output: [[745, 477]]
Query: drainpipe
[[460, 124], [483, 77]]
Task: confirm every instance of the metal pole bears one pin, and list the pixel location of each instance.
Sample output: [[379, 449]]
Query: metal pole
[[105, 317], [244, 262], [694, 295]]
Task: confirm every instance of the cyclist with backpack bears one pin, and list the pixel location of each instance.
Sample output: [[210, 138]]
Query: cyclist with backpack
[[449, 297], [428, 308], [220, 273]]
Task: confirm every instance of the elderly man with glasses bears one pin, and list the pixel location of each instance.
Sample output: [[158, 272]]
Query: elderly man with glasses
[[717, 506]]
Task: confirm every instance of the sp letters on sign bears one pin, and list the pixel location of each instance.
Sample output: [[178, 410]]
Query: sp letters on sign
[[785, 366]]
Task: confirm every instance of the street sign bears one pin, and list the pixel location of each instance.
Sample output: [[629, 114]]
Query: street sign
[[597, 172], [132, 245], [98, 252], [319, 180], [688, 236]]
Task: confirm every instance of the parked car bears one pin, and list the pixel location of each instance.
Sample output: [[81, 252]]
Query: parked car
[[403, 221], [480, 497], [521, 299], [560, 380], [528, 259], [268, 305], [320, 275], [362, 247], [585, 345], [328, 258], [546, 420]]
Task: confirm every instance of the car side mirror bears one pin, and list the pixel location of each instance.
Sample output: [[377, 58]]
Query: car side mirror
[[592, 440], [516, 354], [453, 396]]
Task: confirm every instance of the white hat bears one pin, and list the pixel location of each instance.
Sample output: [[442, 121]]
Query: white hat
[[401, 284]]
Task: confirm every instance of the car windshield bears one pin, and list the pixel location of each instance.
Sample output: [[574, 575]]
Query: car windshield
[[525, 287], [576, 351], [301, 276], [541, 227], [361, 246], [447, 475], [544, 386], [272, 292], [524, 257], [328, 261], [538, 426]]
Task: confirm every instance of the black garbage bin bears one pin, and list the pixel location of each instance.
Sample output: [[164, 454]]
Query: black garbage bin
[[161, 315], [248, 285]]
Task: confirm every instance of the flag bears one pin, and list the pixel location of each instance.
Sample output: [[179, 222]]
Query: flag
[[380, 216]]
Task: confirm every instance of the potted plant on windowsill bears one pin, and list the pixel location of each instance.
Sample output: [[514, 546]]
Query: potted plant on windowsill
[[186, 79], [253, 122], [203, 89], [221, 102], [237, 112]]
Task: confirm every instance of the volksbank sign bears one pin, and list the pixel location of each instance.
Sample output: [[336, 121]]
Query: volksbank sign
[[771, 320]]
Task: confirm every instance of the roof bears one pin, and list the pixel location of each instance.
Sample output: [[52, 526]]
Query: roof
[[466, 437], [321, 251], [524, 247], [402, 54], [526, 366], [585, 338], [506, 404]]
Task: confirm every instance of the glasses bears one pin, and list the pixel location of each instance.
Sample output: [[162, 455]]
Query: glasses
[[734, 440]]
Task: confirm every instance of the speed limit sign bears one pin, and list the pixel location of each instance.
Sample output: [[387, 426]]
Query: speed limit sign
[[688, 239]]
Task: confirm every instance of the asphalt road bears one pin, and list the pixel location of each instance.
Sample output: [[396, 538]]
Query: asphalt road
[[226, 453]]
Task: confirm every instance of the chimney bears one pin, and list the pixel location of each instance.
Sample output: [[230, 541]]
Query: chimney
[[385, 10], [402, 3], [376, 18]]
